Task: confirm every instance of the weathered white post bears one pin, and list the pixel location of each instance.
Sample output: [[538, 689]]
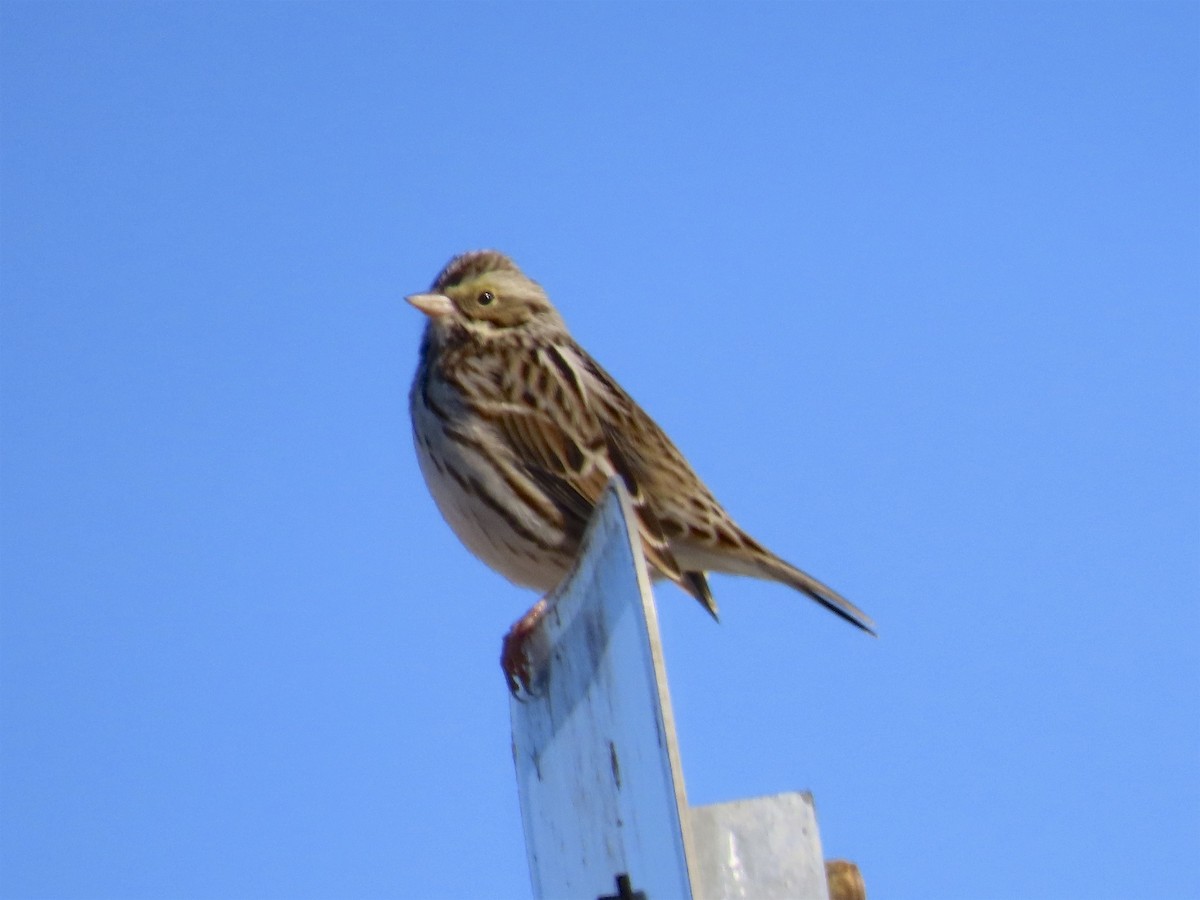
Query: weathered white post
[[603, 803]]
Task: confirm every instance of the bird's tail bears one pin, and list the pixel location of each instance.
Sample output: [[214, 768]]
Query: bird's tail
[[785, 572], [740, 554]]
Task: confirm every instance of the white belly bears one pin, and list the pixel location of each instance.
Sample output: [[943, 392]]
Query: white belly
[[524, 549]]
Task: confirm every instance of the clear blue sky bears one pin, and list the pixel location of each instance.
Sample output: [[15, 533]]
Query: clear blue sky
[[915, 286]]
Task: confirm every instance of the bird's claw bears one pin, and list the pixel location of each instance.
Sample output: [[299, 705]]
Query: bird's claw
[[514, 653]]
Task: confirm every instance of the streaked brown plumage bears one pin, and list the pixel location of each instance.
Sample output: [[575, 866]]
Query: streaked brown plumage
[[518, 430]]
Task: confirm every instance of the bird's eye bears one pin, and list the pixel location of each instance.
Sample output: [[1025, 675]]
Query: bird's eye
[[486, 298]]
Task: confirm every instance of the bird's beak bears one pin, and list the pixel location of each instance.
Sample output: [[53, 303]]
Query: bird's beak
[[433, 305]]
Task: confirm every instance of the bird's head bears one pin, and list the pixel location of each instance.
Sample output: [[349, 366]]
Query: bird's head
[[484, 292]]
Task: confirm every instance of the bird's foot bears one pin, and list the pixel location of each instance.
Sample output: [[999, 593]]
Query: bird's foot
[[514, 655]]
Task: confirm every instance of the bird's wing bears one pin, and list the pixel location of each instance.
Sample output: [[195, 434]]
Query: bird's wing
[[706, 537], [568, 447]]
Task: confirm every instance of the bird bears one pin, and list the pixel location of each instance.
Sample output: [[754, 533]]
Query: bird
[[518, 430]]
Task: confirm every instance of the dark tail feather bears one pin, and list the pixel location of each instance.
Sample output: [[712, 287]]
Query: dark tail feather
[[697, 585], [823, 594]]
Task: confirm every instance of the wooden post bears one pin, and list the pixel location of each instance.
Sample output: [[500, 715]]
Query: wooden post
[[602, 795], [594, 745]]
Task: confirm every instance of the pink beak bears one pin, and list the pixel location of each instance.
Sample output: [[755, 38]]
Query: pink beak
[[433, 305]]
